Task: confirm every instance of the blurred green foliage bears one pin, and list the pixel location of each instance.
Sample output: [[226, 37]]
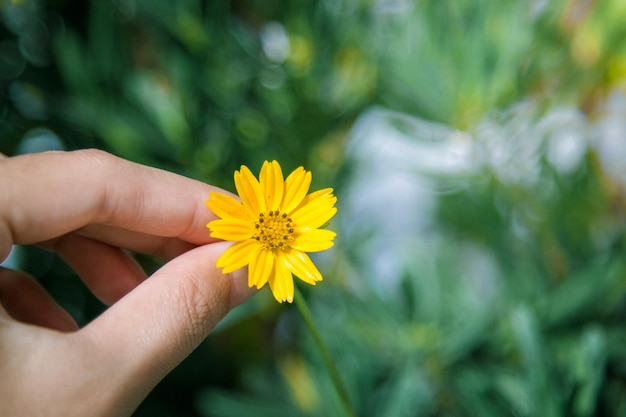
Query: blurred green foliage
[[510, 303]]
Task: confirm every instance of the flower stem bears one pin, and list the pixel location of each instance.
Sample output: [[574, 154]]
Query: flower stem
[[330, 364]]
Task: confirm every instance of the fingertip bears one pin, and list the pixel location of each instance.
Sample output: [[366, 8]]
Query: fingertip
[[240, 290]]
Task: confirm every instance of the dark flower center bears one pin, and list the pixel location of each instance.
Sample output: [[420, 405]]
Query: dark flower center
[[274, 230]]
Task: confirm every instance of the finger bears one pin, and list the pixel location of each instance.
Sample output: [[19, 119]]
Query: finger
[[158, 324], [162, 247], [59, 192], [109, 272], [25, 300]]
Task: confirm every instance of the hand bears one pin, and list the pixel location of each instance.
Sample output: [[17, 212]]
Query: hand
[[89, 206]]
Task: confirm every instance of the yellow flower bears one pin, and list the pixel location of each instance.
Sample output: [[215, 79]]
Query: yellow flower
[[274, 225]]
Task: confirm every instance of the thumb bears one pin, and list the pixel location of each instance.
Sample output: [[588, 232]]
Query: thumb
[[143, 336]]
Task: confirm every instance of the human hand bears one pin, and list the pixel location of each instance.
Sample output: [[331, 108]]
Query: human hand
[[89, 207]]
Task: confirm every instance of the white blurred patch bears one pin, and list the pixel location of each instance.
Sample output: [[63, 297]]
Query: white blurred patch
[[609, 137], [40, 140], [401, 165], [508, 146], [513, 142], [566, 130], [392, 195], [275, 42]]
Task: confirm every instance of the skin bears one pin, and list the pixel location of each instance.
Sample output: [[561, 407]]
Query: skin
[[90, 207]]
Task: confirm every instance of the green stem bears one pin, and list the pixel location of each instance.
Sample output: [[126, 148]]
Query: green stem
[[330, 364]]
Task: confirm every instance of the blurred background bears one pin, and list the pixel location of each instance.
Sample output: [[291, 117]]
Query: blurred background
[[478, 150]]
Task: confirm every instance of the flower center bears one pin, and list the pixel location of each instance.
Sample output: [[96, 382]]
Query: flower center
[[274, 230]]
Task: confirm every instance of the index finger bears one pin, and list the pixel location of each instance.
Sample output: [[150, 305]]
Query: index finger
[[46, 195]]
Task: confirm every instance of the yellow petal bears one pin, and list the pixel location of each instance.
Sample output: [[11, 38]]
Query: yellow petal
[[238, 256], [261, 268], [272, 184], [301, 265], [231, 229], [281, 282], [296, 186], [315, 212], [249, 191], [225, 206], [313, 240], [317, 194]]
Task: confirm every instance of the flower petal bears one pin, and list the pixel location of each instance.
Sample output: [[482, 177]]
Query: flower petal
[[261, 268], [313, 240], [238, 256], [249, 191], [232, 229], [316, 210], [281, 281], [225, 206], [296, 186], [272, 184], [301, 265], [317, 194]]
